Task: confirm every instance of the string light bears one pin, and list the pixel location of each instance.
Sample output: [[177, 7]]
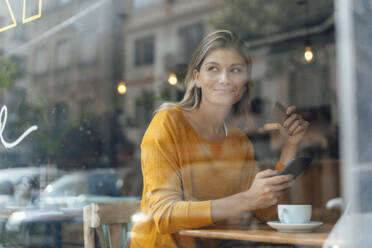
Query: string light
[[122, 88], [172, 79]]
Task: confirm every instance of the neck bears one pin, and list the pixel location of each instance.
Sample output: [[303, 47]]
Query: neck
[[209, 121], [213, 118]]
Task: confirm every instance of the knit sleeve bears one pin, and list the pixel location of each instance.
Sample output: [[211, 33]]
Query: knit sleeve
[[160, 151]]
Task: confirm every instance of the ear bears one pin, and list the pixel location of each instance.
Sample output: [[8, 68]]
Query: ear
[[196, 74]]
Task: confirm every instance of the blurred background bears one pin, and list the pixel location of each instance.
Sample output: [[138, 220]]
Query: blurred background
[[90, 74]]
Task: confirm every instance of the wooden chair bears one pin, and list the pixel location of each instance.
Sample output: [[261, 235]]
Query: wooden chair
[[115, 215]]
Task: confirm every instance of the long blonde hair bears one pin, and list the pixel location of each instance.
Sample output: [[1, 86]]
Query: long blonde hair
[[213, 41]]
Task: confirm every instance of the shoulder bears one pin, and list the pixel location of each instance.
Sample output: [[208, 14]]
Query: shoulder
[[166, 117], [169, 112], [164, 124]]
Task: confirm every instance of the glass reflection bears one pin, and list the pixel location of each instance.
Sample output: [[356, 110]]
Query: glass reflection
[[61, 69]]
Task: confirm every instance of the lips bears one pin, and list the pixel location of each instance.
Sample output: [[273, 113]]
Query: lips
[[224, 90]]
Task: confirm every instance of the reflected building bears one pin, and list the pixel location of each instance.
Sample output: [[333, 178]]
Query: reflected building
[[78, 51], [73, 57], [69, 52], [71, 62], [160, 37]]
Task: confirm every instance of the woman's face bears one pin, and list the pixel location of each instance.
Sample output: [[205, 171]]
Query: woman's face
[[222, 77]]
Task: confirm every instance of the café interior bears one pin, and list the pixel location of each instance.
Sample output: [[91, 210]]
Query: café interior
[[80, 81]]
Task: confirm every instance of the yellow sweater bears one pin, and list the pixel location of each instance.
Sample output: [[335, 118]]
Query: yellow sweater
[[182, 173]]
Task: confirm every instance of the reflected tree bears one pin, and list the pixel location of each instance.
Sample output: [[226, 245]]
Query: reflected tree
[[254, 19], [58, 140], [10, 71], [82, 144], [53, 125]]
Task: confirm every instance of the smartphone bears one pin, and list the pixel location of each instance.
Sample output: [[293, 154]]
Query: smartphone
[[296, 166], [279, 114]]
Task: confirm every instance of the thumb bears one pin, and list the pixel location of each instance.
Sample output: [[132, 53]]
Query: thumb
[[267, 173]]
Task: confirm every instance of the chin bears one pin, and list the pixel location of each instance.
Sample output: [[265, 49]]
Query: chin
[[221, 99], [225, 102], [226, 98]]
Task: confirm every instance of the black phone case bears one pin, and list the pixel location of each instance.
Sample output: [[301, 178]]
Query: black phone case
[[296, 166]]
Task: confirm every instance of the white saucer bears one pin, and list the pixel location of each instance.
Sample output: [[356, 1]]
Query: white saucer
[[295, 228]]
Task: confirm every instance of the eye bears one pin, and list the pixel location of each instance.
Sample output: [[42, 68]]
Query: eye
[[212, 68], [235, 70]]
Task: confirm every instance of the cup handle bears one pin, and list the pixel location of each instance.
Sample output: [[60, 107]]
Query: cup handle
[[282, 213]]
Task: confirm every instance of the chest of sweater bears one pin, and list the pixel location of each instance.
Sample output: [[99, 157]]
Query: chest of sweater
[[214, 170]]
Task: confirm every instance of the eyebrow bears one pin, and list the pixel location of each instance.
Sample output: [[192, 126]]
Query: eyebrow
[[232, 65]]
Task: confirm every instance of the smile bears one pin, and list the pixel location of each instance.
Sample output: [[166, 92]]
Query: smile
[[224, 90]]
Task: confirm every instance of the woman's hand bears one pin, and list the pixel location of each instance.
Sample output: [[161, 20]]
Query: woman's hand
[[264, 192], [267, 188], [294, 127]]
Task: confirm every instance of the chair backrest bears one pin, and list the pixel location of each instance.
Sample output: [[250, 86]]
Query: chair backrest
[[115, 215]]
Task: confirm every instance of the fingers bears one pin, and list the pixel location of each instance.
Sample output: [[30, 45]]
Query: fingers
[[274, 198], [295, 124], [277, 190], [277, 183], [268, 186], [282, 187], [291, 109], [275, 180], [291, 120], [298, 126], [266, 174]]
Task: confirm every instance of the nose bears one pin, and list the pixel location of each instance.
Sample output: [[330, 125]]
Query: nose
[[224, 77]]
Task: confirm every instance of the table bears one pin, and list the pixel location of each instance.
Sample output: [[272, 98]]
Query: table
[[263, 234]]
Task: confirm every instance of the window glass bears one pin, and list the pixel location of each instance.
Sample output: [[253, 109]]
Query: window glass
[[41, 58], [64, 1], [144, 50], [88, 49], [82, 115], [355, 35], [63, 54], [189, 37], [143, 3]]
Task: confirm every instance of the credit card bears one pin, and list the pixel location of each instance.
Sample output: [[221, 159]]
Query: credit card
[[279, 114]]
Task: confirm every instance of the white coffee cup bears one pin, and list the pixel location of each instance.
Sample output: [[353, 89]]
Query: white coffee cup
[[294, 214]]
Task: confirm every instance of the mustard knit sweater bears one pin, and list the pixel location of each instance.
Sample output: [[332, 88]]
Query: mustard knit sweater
[[182, 173]]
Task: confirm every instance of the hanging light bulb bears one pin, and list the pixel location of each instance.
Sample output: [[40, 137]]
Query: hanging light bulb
[[122, 88], [308, 54], [172, 79]]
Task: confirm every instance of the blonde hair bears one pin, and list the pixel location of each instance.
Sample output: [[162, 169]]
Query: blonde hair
[[213, 41]]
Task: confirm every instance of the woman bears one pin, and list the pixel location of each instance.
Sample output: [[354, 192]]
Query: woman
[[198, 171]]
